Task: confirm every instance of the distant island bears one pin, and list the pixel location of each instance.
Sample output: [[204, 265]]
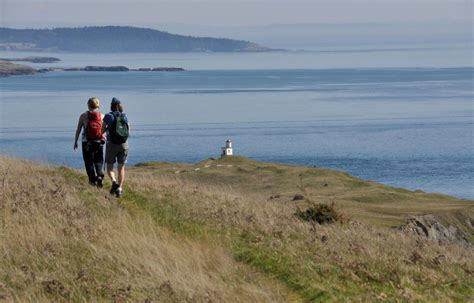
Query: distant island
[[105, 39], [8, 68], [126, 69], [117, 68], [13, 69], [32, 59]]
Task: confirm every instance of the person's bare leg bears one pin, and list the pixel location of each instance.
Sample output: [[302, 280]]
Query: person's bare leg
[[110, 172], [115, 189], [121, 174]]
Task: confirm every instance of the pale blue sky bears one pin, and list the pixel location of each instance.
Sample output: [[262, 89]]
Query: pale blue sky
[[48, 13], [290, 24]]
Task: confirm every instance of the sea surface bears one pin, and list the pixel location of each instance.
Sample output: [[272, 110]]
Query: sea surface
[[400, 117]]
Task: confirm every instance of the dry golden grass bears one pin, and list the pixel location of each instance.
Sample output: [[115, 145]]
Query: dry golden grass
[[223, 233], [61, 240], [358, 261], [366, 201]]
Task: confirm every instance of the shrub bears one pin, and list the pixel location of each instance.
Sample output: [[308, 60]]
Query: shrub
[[298, 197], [320, 213]]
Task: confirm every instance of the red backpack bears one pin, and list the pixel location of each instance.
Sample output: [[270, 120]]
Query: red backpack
[[94, 126]]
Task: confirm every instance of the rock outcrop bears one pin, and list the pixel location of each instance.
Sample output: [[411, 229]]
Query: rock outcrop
[[429, 227], [13, 69]]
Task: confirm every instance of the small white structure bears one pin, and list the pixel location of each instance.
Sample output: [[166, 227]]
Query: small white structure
[[227, 149]]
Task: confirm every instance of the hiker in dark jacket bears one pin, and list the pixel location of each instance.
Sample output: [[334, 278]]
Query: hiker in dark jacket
[[117, 128], [90, 122]]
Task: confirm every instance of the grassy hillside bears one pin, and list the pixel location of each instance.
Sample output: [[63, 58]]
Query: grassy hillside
[[367, 201], [62, 240], [223, 231]]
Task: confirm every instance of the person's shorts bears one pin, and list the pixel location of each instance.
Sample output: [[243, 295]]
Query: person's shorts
[[116, 153]]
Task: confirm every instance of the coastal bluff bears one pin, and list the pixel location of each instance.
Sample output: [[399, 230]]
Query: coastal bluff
[[228, 230]]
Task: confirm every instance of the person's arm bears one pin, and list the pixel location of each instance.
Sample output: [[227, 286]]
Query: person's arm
[[104, 123], [78, 130]]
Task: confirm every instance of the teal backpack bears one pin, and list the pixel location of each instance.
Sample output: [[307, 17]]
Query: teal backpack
[[119, 129]]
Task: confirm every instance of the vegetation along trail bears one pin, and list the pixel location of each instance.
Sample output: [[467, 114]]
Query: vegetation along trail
[[228, 230]]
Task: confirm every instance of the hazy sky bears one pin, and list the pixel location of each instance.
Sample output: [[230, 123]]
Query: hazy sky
[[48, 13]]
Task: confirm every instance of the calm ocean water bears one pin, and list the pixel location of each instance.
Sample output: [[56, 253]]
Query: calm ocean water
[[405, 126]]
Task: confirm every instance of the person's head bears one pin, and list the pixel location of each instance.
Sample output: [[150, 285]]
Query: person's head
[[116, 105], [93, 103]]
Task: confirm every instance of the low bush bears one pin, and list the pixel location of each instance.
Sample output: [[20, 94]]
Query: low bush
[[321, 214]]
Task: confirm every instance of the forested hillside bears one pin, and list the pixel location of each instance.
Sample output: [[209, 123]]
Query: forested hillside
[[116, 39]]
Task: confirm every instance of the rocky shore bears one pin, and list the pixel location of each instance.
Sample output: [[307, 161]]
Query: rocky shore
[[13, 69], [8, 68]]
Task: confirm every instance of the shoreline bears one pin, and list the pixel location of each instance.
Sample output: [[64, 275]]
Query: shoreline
[[193, 165], [8, 68]]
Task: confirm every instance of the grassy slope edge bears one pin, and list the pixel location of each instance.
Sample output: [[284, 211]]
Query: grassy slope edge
[[62, 240], [225, 215], [250, 205]]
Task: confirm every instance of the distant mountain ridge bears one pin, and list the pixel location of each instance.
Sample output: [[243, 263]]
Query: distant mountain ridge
[[116, 39]]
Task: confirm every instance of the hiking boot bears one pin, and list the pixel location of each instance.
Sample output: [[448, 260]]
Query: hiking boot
[[114, 188], [99, 182], [119, 192]]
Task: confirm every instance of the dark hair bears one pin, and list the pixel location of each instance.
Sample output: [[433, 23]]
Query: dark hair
[[116, 105]]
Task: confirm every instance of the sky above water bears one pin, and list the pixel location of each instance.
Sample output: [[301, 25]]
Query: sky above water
[[292, 25], [47, 13]]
